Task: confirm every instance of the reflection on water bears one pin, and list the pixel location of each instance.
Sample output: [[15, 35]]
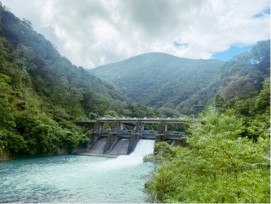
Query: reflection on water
[[76, 178]]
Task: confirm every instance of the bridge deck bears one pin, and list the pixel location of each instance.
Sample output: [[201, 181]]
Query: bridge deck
[[134, 120]]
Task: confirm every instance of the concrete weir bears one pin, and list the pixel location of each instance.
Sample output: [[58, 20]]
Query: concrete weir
[[120, 148], [118, 141], [98, 147]]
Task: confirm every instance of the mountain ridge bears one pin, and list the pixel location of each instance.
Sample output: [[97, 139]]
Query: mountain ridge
[[158, 74], [150, 53]]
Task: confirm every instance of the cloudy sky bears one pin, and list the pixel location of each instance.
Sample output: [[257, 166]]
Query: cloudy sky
[[96, 32]]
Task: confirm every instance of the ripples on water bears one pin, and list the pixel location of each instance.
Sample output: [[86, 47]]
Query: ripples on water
[[74, 178]]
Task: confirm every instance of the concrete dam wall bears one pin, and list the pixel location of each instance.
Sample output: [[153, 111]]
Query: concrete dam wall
[[120, 147], [120, 141]]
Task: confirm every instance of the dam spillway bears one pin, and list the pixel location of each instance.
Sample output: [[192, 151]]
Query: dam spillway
[[143, 148], [120, 148], [98, 146], [120, 141]]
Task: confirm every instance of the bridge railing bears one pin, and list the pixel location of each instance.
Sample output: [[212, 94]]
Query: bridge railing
[[143, 120]]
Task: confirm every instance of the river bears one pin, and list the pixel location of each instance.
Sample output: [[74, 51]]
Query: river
[[74, 178]]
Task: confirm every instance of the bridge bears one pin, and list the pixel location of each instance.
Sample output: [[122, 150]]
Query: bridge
[[120, 141]]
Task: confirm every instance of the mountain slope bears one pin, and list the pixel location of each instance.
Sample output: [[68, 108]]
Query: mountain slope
[[162, 80], [42, 94], [53, 75]]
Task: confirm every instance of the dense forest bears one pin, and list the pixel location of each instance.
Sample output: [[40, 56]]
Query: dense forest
[[43, 93], [162, 80], [184, 85], [227, 157]]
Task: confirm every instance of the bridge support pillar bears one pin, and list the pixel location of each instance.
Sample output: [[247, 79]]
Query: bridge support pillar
[[113, 137], [135, 137], [162, 131], [99, 129], [121, 126], [96, 134]]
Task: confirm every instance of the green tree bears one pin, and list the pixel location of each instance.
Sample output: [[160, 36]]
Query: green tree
[[219, 165]]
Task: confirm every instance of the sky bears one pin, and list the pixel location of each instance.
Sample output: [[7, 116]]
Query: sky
[[91, 33]]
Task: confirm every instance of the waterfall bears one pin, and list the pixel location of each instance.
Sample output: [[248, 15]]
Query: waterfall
[[143, 148]]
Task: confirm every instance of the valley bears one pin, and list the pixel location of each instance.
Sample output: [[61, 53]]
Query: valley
[[131, 111]]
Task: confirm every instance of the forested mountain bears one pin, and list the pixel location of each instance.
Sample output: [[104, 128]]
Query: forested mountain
[[162, 80], [242, 76], [227, 155], [42, 93]]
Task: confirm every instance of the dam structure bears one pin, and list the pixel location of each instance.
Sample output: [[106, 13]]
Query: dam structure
[[118, 140]]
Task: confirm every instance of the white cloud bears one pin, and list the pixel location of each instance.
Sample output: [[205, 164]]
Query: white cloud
[[95, 32]]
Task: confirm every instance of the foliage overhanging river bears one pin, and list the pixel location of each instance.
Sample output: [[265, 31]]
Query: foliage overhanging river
[[74, 178]]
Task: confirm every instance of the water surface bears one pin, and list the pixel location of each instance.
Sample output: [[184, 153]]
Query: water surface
[[74, 178]]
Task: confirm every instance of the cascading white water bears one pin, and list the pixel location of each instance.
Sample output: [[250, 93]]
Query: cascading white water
[[143, 148]]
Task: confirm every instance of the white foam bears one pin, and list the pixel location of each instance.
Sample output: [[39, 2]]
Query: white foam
[[143, 148]]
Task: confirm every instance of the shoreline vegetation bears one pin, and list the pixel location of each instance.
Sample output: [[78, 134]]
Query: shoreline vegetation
[[227, 157]]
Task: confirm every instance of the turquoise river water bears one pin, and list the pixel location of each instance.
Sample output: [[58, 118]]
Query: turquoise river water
[[78, 179]]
